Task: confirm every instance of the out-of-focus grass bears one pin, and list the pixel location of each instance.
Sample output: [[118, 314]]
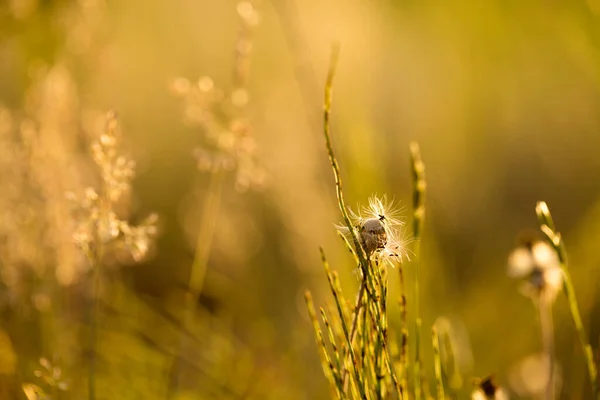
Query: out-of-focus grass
[[502, 97]]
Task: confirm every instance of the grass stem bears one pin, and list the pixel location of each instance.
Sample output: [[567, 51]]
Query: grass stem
[[555, 238], [208, 222], [547, 327], [419, 187], [437, 364]]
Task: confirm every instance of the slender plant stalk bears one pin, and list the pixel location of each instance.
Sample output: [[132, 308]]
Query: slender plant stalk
[[334, 164], [555, 238], [404, 332], [379, 321], [94, 257], [335, 369], [328, 99], [210, 215], [199, 266], [358, 310], [334, 338], [437, 364], [304, 70], [328, 368], [547, 327], [340, 304], [419, 187], [374, 366]]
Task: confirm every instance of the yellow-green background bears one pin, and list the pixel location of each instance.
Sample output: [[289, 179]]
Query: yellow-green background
[[503, 97]]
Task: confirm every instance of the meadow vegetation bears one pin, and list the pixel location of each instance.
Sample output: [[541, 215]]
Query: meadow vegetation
[[170, 227]]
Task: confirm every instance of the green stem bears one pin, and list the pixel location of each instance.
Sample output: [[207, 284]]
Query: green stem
[[404, 333], [334, 164], [587, 348], [209, 217], [95, 262], [328, 368], [547, 328], [437, 359], [353, 329], [548, 229], [419, 185]]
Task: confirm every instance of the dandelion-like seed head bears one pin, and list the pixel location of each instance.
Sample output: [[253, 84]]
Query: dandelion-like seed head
[[537, 263], [377, 227], [383, 211]]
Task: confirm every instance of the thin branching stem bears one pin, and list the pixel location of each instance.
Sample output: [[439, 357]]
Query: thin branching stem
[[358, 310], [337, 367], [328, 368]]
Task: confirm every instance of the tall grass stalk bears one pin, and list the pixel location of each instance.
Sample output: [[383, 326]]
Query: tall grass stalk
[[340, 305], [334, 164], [419, 187], [328, 99], [555, 238], [363, 365], [208, 223], [328, 368], [209, 217], [437, 364], [94, 256], [359, 309], [547, 327], [404, 362]]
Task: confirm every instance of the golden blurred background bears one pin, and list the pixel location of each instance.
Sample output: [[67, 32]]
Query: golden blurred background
[[503, 97]]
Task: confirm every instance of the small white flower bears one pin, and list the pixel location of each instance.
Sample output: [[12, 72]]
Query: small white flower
[[537, 263]]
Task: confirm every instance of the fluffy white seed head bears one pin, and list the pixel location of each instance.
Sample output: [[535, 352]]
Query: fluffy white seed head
[[377, 227]]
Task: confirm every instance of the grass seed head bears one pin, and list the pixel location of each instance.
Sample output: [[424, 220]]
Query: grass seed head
[[537, 264]]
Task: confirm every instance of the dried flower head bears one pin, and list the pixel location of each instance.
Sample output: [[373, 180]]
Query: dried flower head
[[51, 374], [51, 380], [537, 263], [98, 223], [488, 390], [229, 142], [378, 229], [39, 162]]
